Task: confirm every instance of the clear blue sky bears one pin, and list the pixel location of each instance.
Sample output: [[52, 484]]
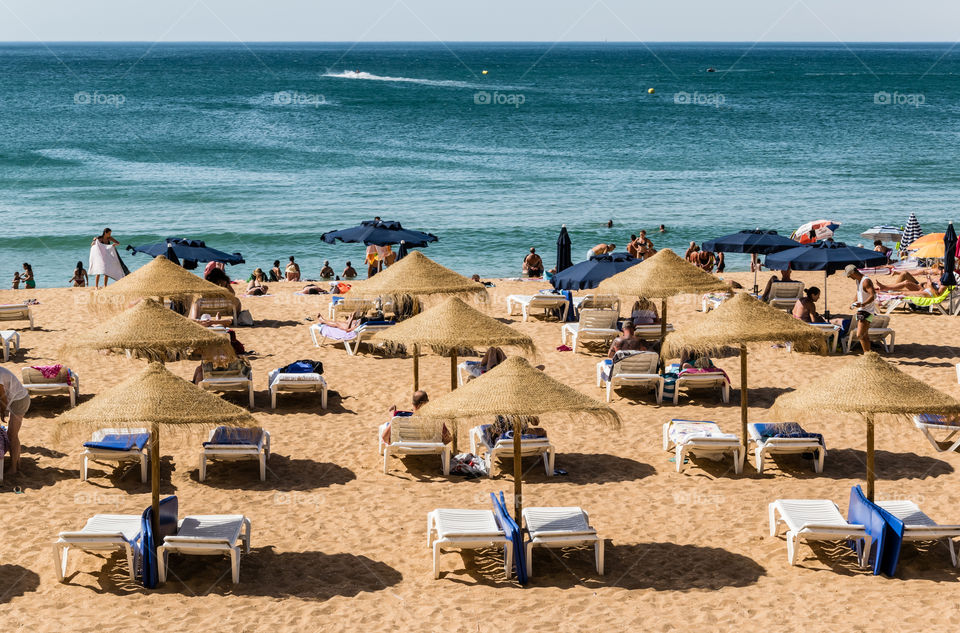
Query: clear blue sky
[[482, 20]]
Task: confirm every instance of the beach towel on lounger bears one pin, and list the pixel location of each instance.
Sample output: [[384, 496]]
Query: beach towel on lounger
[[787, 430], [683, 430], [120, 442], [236, 436], [336, 334]]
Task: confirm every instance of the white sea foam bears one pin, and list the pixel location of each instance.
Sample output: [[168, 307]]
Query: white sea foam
[[447, 83]]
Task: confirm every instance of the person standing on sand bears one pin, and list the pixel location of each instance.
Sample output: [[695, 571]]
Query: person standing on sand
[[80, 277], [532, 264], [104, 259], [866, 304], [27, 277], [14, 402]]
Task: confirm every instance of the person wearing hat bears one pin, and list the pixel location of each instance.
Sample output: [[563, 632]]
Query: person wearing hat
[[866, 304]]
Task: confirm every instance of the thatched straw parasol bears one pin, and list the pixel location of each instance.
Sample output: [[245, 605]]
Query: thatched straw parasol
[[516, 389], [867, 386], [664, 275], [160, 278], [740, 320], [418, 275], [149, 330], [451, 326], [156, 397]]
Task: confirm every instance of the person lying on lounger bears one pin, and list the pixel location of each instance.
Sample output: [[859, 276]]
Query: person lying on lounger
[[907, 283], [354, 321]]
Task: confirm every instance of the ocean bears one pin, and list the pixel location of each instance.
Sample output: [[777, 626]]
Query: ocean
[[260, 148]]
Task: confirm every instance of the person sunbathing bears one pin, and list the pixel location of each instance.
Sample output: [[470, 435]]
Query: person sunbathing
[[627, 341], [354, 321], [805, 308], [907, 283], [785, 276], [257, 285]]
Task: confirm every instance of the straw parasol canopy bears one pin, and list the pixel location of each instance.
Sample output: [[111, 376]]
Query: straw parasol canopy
[[664, 275], [159, 278], [867, 386], [153, 397], [740, 320], [417, 275], [515, 388], [150, 330]]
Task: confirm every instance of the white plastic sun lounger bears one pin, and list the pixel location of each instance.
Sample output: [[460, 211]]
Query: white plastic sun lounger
[[650, 331], [9, 338], [364, 332], [220, 383], [411, 437], [102, 532], [594, 325], [765, 446], [816, 520], [349, 305], [38, 386], [297, 383], [206, 535], [929, 424], [17, 312], [560, 527], [467, 371], [102, 454], [700, 381], [529, 447], [216, 305], [634, 370], [691, 437], [879, 332], [545, 302], [466, 529], [784, 294], [258, 450], [917, 526]]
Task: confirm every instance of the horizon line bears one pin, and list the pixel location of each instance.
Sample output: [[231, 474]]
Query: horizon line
[[445, 42]]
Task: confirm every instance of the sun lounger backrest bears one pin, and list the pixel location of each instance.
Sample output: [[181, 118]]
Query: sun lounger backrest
[[406, 429], [880, 321], [33, 376], [783, 290], [639, 363], [599, 319], [606, 302]]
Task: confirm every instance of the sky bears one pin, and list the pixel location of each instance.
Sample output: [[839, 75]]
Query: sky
[[484, 20]]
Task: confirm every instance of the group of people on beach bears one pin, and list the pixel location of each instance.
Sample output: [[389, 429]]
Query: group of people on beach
[[639, 247]]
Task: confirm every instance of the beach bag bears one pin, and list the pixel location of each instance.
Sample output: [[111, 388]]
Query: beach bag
[[245, 318], [303, 367]]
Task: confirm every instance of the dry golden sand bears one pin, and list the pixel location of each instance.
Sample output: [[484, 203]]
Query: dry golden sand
[[338, 545]]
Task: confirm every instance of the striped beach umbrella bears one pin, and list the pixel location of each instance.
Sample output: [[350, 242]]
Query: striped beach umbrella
[[911, 232]]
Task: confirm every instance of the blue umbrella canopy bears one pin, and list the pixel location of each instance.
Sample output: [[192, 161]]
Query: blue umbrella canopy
[[590, 273], [190, 251], [827, 256], [564, 261], [755, 241], [380, 233]]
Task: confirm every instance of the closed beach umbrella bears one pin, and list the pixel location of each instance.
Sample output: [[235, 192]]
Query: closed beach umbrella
[[402, 250], [884, 233], [564, 260], [736, 322], [589, 274], [515, 388], [379, 233], [190, 251], [949, 260], [826, 256], [911, 232], [755, 242], [664, 275], [867, 386], [156, 398], [822, 229], [160, 278], [152, 331]]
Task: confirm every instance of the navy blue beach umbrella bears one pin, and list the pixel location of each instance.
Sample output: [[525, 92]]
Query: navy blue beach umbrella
[[189, 251], [826, 256], [590, 273], [380, 233], [949, 260], [564, 260], [754, 241]]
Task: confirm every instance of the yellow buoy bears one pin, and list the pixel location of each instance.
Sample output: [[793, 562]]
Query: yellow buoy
[[650, 91], [483, 72]]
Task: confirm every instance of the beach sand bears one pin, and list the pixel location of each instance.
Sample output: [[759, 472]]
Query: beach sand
[[338, 545]]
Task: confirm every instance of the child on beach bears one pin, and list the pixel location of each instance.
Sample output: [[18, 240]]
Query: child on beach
[[16, 281]]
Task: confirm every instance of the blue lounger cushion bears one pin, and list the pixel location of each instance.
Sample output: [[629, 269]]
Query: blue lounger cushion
[[120, 442], [169, 509], [513, 533], [235, 435], [885, 529]]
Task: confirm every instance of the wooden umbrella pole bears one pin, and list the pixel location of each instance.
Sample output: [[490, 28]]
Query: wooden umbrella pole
[[416, 367], [517, 473], [663, 322], [743, 395], [155, 479], [453, 386], [870, 457]]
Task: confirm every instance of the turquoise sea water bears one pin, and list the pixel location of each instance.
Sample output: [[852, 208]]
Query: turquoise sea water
[[262, 148]]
